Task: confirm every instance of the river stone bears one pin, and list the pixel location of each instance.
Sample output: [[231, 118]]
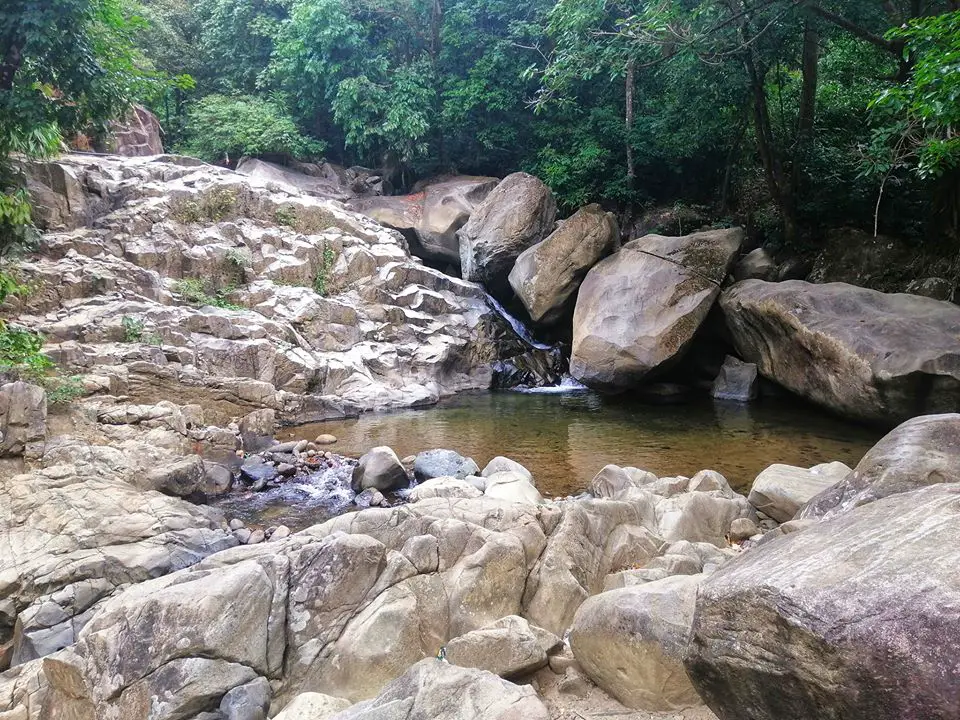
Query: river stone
[[737, 381], [781, 490], [518, 213], [638, 310], [258, 473], [23, 417], [436, 690], [442, 463], [862, 353], [501, 464], [312, 706], [631, 642], [513, 487], [922, 451], [380, 469], [547, 275], [855, 618], [755, 265], [613, 479], [508, 647]]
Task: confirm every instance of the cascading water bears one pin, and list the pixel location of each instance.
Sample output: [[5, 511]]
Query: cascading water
[[518, 327]]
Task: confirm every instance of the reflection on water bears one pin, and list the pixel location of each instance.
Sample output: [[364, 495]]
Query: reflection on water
[[565, 439]]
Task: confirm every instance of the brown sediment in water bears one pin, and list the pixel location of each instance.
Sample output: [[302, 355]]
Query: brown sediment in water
[[565, 439]]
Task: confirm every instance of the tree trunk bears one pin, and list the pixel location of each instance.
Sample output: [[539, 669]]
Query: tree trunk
[[628, 123], [808, 103], [12, 60]]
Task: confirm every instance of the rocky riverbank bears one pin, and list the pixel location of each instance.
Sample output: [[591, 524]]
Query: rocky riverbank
[[644, 597]]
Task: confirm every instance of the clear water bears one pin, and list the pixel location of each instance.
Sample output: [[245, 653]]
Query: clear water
[[564, 439]]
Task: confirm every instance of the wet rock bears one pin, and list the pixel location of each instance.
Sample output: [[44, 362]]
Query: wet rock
[[546, 276], [432, 690], [933, 287], [872, 356], [851, 619], [256, 472], [638, 310], [249, 701], [509, 647], [286, 468], [217, 479], [922, 451], [442, 463], [737, 381], [631, 642], [23, 419], [518, 213], [380, 469], [781, 490], [256, 430], [312, 706]]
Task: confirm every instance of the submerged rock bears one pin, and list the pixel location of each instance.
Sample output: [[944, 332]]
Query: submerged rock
[[737, 381], [855, 618], [638, 310], [862, 353]]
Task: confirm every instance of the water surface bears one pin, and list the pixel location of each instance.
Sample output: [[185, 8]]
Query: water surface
[[564, 439]]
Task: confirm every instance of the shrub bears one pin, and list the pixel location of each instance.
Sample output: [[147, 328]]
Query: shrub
[[224, 129], [197, 292], [20, 354], [63, 390], [322, 279]]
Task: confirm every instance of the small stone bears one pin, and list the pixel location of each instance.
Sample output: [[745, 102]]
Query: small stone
[[742, 529], [243, 535], [573, 683], [409, 460], [286, 469], [300, 446], [377, 499], [325, 439], [561, 661], [257, 536], [280, 533], [236, 524]]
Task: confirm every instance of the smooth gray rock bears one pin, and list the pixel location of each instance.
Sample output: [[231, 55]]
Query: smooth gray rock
[[508, 648], [443, 463], [256, 430], [781, 490], [737, 381], [922, 451], [854, 618], [250, 701], [380, 469]]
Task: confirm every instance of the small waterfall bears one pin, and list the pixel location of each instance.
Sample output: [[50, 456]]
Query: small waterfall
[[518, 327]]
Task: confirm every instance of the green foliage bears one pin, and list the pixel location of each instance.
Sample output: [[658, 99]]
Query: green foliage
[[63, 390], [20, 354], [213, 205], [200, 292], [224, 129], [321, 280], [132, 329]]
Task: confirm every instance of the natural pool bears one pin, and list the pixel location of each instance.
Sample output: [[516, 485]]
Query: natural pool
[[564, 439]]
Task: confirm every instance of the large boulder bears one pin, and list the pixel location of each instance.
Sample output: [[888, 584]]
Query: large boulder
[[380, 469], [437, 463], [631, 642], [855, 618], [922, 451], [518, 213], [435, 690], [508, 648], [23, 418], [781, 490], [862, 353], [547, 275], [433, 215], [638, 310]]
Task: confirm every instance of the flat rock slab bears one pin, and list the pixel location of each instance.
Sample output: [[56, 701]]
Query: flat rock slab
[[865, 354]]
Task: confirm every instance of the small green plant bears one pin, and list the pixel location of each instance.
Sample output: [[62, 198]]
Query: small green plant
[[132, 329], [196, 292], [20, 354], [63, 390], [213, 205], [322, 278], [239, 257], [285, 216]]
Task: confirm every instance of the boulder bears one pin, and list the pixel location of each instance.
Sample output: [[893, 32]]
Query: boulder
[[613, 479], [256, 430], [920, 452], [23, 419], [638, 310], [937, 288], [864, 354], [517, 214], [436, 690], [380, 469], [546, 276], [312, 706], [500, 464], [443, 463], [183, 478], [781, 490], [250, 701], [631, 642], [433, 215], [508, 648], [755, 265], [855, 618], [737, 381], [139, 134], [512, 486]]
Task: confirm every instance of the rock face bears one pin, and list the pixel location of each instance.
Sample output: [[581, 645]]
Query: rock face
[[380, 469], [638, 310], [781, 490], [631, 642], [23, 419], [433, 215], [324, 181], [864, 354], [855, 618], [546, 276], [433, 690], [518, 213], [138, 135], [920, 452], [164, 278], [737, 381]]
